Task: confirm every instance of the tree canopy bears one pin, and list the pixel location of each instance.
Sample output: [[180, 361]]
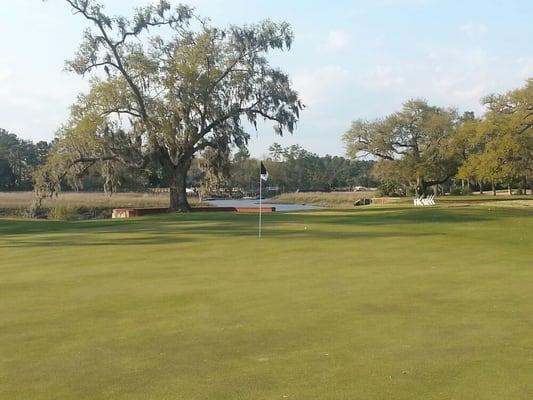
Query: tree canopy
[[411, 144], [502, 142], [18, 159]]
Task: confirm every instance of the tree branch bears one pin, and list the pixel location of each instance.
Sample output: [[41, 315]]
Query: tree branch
[[438, 181]]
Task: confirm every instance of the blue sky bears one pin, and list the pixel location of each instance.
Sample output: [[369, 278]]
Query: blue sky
[[350, 59]]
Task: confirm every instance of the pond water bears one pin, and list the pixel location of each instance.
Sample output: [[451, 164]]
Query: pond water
[[255, 203]]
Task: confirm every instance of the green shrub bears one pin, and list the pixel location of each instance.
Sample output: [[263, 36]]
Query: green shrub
[[12, 212], [456, 191], [410, 192], [74, 213], [389, 189], [64, 213]]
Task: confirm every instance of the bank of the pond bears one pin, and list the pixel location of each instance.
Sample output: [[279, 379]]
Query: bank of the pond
[[266, 203], [333, 199]]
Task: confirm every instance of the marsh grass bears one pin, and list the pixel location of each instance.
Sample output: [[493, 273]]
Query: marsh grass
[[87, 199], [333, 199], [81, 205]]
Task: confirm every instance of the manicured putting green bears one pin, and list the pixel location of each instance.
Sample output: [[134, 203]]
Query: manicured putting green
[[385, 303]]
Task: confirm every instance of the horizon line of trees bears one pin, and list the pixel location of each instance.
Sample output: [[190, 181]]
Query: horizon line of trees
[[291, 168], [18, 160], [404, 153]]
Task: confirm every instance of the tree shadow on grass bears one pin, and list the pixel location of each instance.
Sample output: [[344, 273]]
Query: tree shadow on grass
[[196, 235], [51, 241], [172, 229], [29, 226], [413, 216], [173, 235]]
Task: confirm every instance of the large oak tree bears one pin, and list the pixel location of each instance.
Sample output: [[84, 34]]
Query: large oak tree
[[502, 142], [413, 144], [164, 98]]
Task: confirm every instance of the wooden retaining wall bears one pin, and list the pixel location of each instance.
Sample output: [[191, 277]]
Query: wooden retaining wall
[[137, 212]]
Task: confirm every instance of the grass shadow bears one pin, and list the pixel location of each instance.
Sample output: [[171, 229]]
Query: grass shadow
[[170, 229]]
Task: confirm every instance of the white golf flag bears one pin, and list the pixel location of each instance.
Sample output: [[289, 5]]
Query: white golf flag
[[264, 172]]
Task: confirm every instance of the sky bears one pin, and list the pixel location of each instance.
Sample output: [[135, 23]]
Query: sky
[[350, 59]]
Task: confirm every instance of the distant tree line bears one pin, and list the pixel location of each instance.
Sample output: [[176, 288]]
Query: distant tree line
[[419, 147], [18, 160], [423, 146], [290, 169], [296, 168]]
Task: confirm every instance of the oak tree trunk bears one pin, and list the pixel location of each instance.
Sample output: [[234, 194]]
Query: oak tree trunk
[[178, 187], [420, 187]]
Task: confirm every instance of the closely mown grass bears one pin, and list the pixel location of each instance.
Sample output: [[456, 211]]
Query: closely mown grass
[[484, 199], [376, 303], [510, 203]]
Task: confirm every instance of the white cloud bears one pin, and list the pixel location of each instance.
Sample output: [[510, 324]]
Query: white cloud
[[470, 94], [473, 29], [525, 67], [378, 42], [466, 58], [33, 109], [384, 76], [319, 84], [337, 40], [5, 73], [446, 76]]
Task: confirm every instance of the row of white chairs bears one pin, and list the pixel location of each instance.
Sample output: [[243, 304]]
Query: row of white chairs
[[424, 201]]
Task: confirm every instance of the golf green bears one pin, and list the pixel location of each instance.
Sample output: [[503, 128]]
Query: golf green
[[384, 303]]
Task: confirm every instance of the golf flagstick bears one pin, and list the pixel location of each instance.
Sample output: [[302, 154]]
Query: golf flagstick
[[263, 176], [260, 200]]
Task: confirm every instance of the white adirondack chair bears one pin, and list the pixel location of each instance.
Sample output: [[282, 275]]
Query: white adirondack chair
[[424, 201]]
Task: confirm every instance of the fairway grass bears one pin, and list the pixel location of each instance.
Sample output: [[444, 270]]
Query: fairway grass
[[380, 303]]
